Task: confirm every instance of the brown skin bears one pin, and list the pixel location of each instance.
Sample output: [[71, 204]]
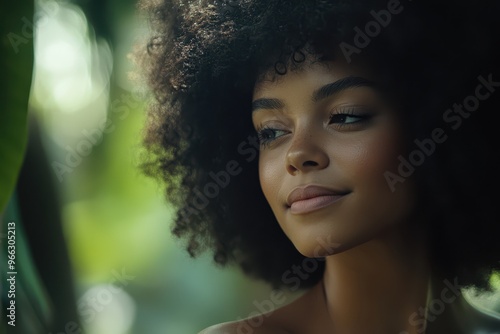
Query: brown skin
[[377, 274]]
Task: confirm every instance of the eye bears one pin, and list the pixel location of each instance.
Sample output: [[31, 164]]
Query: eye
[[345, 119], [267, 135], [350, 115]]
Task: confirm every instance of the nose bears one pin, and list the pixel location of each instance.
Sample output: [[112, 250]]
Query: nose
[[306, 154]]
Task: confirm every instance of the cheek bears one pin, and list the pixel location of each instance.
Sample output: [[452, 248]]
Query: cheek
[[365, 159], [270, 174], [366, 162]]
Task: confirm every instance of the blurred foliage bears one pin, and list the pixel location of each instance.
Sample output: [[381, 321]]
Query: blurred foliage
[[31, 297], [120, 211], [130, 275], [17, 34], [115, 220]]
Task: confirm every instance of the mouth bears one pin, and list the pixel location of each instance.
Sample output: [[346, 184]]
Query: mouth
[[310, 198]]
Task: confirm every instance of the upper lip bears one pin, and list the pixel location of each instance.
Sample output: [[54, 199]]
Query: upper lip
[[310, 191]]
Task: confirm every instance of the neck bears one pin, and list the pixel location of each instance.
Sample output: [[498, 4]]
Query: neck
[[377, 287]]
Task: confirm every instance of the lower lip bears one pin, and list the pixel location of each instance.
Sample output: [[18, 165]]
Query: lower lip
[[313, 204]]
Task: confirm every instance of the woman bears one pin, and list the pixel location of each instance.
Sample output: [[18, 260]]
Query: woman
[[341, 148]]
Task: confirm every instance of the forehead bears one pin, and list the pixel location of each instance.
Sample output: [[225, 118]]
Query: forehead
[[311, 73]]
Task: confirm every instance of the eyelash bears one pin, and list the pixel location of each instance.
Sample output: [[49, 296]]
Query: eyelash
[[342, 113], [360, 112], [263, 141]]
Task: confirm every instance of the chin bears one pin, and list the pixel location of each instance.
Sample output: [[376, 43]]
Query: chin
[[320, 246], [326, 243]]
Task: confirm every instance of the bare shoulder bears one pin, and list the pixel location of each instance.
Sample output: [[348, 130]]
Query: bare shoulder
[[243, 326], [295, 317]]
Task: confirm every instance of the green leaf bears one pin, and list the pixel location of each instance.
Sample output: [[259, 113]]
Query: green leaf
[[16, 55]]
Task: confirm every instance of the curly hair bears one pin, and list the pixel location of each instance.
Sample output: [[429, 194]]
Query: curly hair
[[203, 60]]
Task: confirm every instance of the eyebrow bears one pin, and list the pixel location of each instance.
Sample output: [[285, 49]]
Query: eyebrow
[[319, 94], [340, 85], [266, 103]]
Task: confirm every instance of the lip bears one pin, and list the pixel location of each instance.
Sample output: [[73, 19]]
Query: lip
[[305, 199]]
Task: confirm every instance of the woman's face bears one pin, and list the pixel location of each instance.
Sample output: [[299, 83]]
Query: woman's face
[[327, 137]]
